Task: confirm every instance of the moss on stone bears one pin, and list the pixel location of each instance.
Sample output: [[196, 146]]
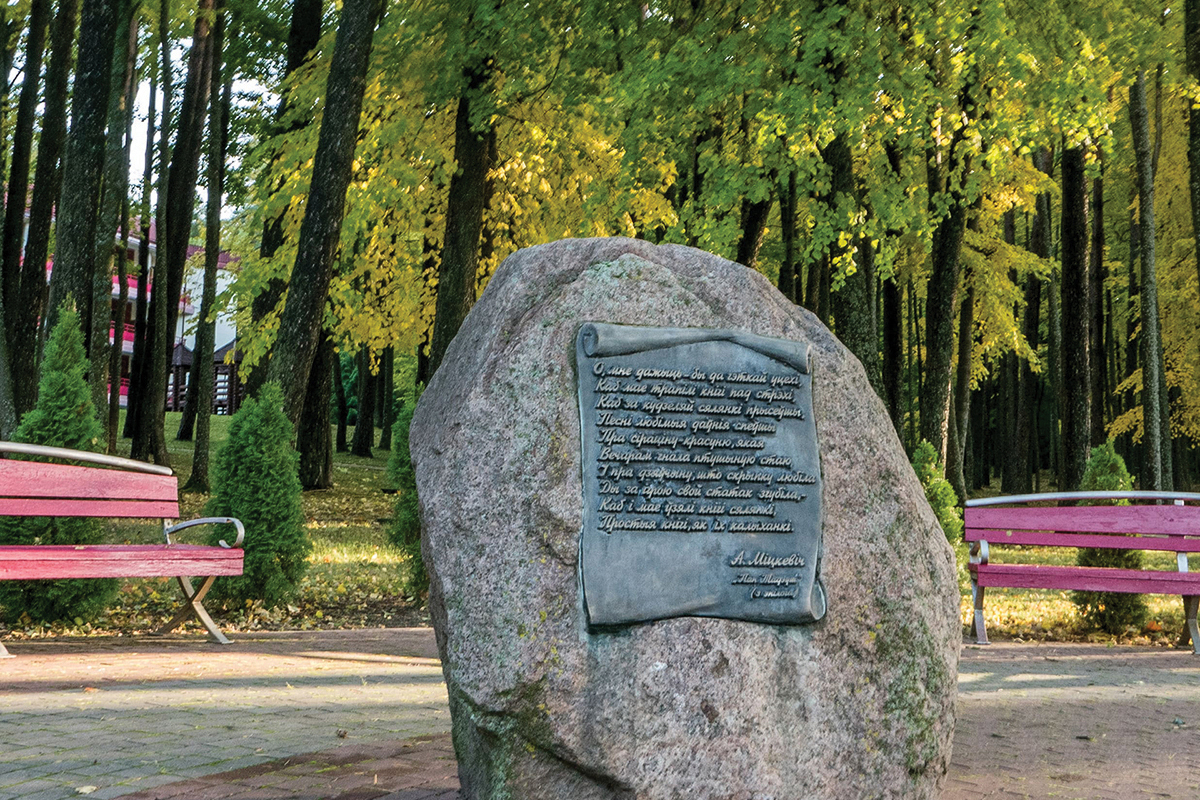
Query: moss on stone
[[912, 688]]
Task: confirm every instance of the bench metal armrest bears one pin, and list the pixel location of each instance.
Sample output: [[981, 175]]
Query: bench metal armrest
[[979, 552], [237, 523]]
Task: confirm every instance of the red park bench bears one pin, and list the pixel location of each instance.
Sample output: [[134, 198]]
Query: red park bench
[[1173, 527], [114, 488]]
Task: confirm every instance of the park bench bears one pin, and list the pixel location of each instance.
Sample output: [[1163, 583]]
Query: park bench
[[112, 488], [1168, 525]]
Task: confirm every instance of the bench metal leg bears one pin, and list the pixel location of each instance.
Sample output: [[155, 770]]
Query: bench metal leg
[[977, 626], [193, 606], [1189, 611]]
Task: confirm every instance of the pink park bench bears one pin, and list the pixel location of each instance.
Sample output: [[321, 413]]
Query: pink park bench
[[1172, 527], [113, 488]]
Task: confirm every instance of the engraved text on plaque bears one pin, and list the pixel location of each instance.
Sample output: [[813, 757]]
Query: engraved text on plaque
[[701, 476]]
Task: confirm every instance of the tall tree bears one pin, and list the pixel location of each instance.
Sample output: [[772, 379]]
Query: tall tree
[[119, 251], [313, 433], [1153, 398], [949, 196], [1039, 244], [150, 359], [961, 400], [114, 194], [1098, 353], [31, 306], [220, 98], [1191, 41], [942, 300], [301, 323], [83, 166], [177, 206], [473, 143], [141, 308], [788, 199], [1075, 305], [18, 175], [304, 35], [364, 427]]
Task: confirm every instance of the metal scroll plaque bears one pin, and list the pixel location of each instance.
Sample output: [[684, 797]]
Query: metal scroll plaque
[[701, 476]]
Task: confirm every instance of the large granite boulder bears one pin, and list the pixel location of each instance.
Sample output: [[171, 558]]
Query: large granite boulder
[[859, 704]]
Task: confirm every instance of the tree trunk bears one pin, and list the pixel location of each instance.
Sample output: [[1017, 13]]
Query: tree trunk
[[300, 324], [1054, 360], [754, 225], [388, 392], [114, 196], [942, 296], [114, 354], [313, 437], [1191, 39], [1168, 448], [1098, 357], [464, 219], [47, 179], [893, 358], [913, 355], [1075, 305], [303, 37], [812, 287], [121, 253], [339, 387], [18, 175], [185, 165], [220, 98], [956, 448], [787, 222], [1010, 370], [140, 339], [364, 428], [1153, 400], [177, 190], [145, 343], [1125, 444], [1039, 244], [83, 168]]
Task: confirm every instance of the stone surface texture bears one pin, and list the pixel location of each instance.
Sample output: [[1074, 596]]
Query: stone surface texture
[[858, 705]]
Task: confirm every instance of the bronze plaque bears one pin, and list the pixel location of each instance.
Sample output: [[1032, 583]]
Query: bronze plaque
[[701, 476]]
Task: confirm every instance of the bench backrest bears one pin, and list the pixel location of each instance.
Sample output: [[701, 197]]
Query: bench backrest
[[1174, 528], [127, 489]]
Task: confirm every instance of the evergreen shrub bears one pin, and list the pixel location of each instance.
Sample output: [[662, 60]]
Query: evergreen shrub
[[255, 479], [63, 417], [405, 528], [943, 501], [1110, 612]]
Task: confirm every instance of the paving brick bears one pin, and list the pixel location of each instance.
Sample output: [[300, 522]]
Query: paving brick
[[258, 721]]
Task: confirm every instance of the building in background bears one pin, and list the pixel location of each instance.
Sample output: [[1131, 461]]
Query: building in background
[[226, 400]]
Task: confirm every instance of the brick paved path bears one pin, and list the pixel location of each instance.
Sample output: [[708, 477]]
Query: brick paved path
[[1076, 721], [184, 720], [124, 714]]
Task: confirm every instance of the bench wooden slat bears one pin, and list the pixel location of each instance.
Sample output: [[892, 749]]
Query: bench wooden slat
[[50, 507], [36, 479], [1088, 579], [1172, 543], [40, 562], [1170, 519]]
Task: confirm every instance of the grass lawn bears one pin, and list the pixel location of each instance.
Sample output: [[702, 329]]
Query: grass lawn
[[355, 574]]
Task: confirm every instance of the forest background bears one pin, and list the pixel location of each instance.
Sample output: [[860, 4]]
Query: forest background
[[993, 204]]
